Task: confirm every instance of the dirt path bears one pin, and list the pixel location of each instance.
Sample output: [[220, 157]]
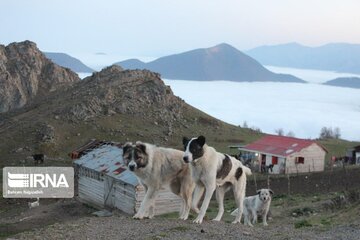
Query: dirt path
[[123, 227], [15, 216], [295, 217]]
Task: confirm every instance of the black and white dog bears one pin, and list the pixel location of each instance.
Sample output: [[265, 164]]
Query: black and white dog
[[156, 167], [213, 170]]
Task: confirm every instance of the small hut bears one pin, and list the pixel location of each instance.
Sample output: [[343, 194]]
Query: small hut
[[280, 154], [353, 155], [104, 181]]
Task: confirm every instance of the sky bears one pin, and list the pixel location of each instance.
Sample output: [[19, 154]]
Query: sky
[[155, 28]]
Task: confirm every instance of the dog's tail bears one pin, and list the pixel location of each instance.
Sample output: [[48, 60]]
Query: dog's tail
[[235, 212], [246, 170]]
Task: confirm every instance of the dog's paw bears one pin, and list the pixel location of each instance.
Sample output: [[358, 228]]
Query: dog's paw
[[216, 219], [138, 216], [265, 224], [236, 221], [198, 220], [183, 218]]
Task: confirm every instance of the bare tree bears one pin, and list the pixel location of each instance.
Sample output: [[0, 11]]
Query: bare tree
[[290, 134], [245, 125], [337, 133], [256, 129], [279, 131], [328, 133]]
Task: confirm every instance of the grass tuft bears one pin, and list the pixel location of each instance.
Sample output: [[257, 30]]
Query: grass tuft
[[302, 223]]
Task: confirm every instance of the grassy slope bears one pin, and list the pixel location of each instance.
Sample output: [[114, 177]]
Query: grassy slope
[[21, 131]]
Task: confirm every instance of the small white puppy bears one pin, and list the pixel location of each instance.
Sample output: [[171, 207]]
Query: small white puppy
[[256, 205]]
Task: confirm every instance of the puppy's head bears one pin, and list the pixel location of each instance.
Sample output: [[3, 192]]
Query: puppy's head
[[265, 194], [135, 155], [193, 148]]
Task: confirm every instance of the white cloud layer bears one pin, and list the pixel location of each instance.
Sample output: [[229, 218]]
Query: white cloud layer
[[301, 108]]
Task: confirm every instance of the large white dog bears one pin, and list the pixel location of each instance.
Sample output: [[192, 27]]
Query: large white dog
[[256, 205], [156, 167], [213, 170]]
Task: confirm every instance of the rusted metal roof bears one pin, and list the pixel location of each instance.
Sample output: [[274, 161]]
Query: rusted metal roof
[[280, 145], [92, 144], [106, 158]]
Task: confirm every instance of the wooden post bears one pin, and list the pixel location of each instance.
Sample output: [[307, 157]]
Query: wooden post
[[345, 177], [288, 179], [255, 183]]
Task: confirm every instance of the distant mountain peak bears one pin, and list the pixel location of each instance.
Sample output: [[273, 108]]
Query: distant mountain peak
[[225, 45], [68, 61], [339, 57], [351, 82], [220, 62], [222, 47]]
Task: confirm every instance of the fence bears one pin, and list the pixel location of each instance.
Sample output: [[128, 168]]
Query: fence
[[336, 180]]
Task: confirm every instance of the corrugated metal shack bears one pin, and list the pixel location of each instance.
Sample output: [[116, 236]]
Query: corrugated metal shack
[[104, 181]]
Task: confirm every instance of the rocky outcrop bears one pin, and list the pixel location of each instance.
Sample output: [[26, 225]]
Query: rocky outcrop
[[25, 73], [114, 90]]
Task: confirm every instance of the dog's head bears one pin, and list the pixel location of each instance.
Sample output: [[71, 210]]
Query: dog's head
[[193, 148], [265, 194], [135, 155]]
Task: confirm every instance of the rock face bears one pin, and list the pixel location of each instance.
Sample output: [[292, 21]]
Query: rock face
[[25, 73], [114, 90]]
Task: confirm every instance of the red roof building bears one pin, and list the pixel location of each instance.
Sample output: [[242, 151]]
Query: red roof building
[[280, 154]]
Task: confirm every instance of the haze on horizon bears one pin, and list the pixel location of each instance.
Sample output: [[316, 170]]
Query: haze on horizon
[[160, 27]]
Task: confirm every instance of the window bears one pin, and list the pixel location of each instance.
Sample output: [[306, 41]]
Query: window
[[274, 160], [299, 160]]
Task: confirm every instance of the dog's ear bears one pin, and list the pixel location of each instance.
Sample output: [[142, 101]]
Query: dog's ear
[[258, 192], [141, 146], [201, 140], [185, 141], [271, 192], [126, 147]]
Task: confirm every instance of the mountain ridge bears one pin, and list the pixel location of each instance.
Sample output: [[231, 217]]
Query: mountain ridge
[[221, 62], [67, 61], [339, 57], [350, 82]]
